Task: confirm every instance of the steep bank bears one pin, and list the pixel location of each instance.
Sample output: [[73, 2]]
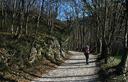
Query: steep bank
[[29, 56]]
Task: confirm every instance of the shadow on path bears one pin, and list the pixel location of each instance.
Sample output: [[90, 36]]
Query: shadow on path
[[71, 76], [83, 59], [74, 70], [76, 67], [73, 63]]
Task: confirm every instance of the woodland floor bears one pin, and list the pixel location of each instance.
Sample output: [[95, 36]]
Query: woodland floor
[[73, 70]]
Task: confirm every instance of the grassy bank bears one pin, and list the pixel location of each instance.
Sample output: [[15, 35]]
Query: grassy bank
[[108, 71]]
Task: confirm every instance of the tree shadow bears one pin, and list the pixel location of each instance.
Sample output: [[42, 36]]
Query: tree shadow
[[68, 76], [73, 63], [83, 80], [83, 59], [92, 61], [77, 59], [77, 67]]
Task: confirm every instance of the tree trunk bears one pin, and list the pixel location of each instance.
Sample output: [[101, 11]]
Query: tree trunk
[[2, 13], [26, 25], [124, 59], [21, 19], [13, 17]]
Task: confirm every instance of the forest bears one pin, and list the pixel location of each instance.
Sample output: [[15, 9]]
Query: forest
[[37, 35]]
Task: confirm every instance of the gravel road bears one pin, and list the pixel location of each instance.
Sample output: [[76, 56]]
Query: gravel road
[[73, 70]]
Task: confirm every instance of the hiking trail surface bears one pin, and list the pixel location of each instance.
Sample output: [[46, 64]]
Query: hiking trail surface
[[73, 70]]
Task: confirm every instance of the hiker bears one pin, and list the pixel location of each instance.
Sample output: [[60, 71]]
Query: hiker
[[86, 51]]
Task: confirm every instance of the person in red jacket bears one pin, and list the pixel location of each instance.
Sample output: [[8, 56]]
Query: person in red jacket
[[86, 51]]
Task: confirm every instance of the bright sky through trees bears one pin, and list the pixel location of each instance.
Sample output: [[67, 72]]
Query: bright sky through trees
[[67, 9]]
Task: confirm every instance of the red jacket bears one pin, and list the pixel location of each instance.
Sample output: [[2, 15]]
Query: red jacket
[[86, 50]]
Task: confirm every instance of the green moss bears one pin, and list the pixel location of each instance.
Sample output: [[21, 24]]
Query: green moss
[[112, 61]]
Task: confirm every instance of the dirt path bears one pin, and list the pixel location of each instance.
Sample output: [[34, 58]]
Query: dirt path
[[73, 70]]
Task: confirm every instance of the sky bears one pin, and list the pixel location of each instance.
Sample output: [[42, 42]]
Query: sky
[[67, 7], [62, 9], [66, 10]]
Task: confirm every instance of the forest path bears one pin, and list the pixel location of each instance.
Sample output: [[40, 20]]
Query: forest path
[[73, 70]]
